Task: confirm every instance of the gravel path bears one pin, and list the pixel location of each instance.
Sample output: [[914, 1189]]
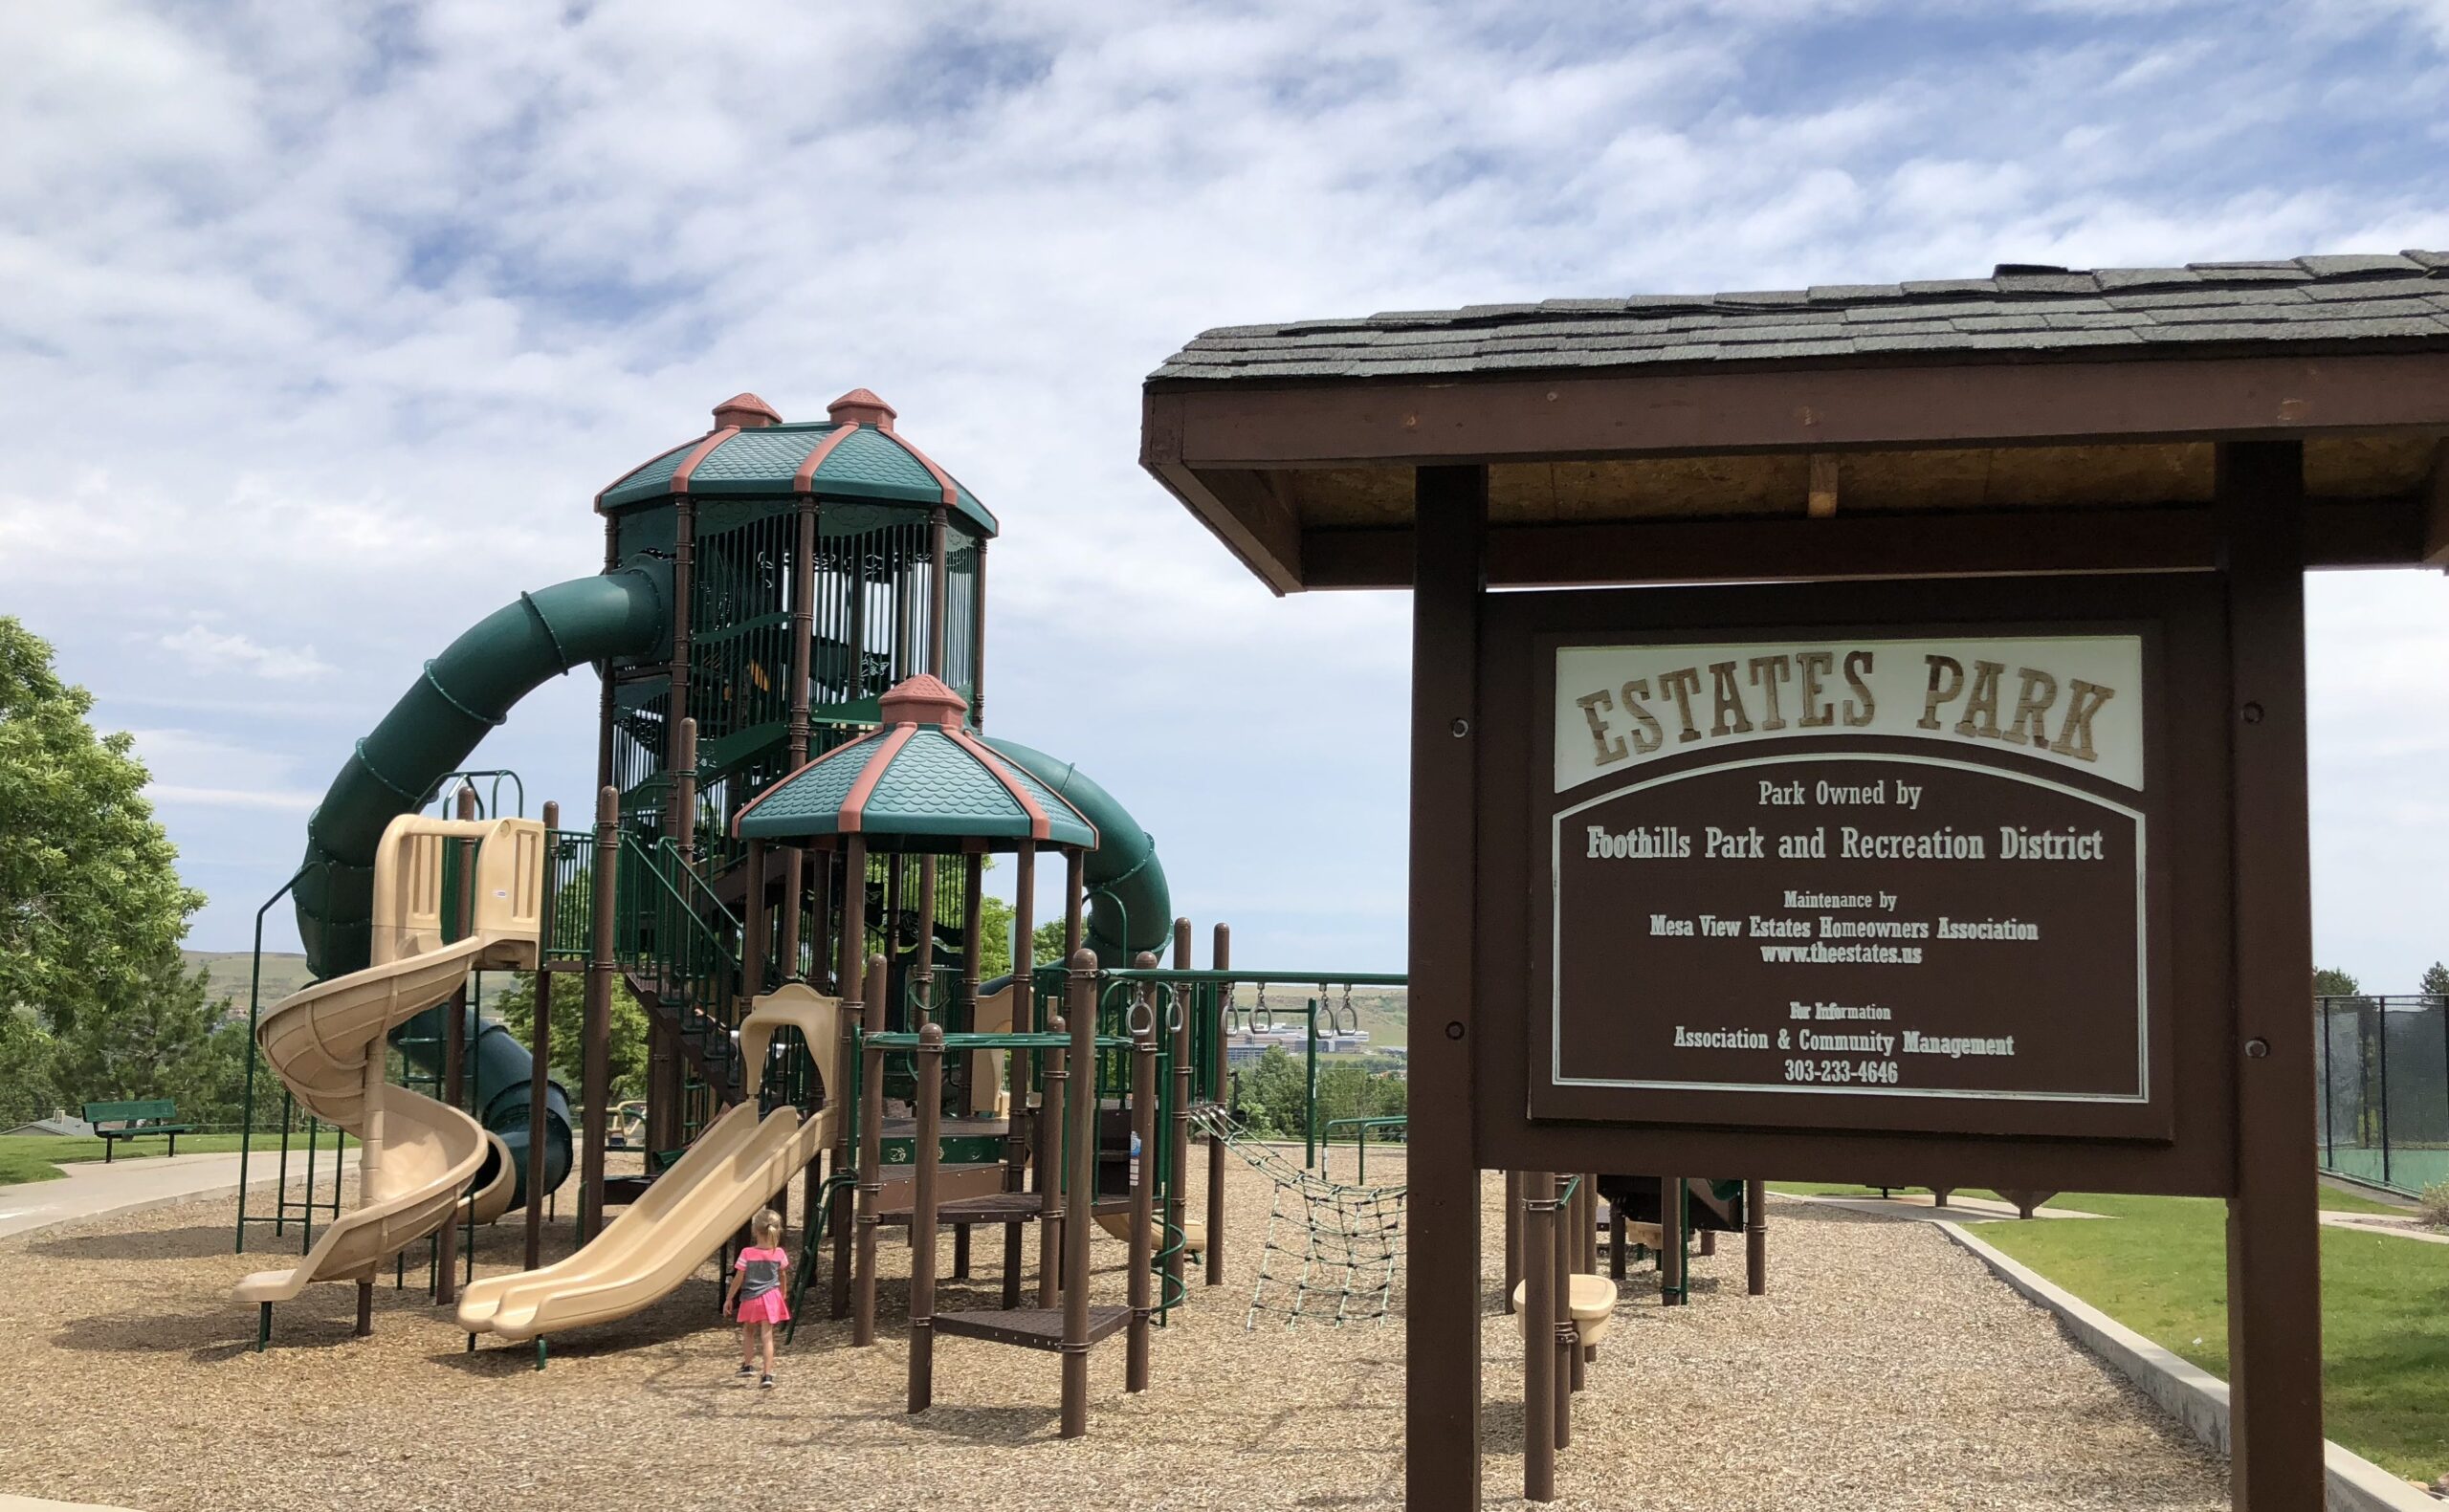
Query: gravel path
[[1885, 1369]]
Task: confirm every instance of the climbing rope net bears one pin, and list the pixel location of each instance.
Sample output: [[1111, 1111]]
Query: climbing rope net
[[1348, 1238]]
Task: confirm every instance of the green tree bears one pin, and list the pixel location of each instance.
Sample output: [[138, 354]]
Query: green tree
[[2329, 983], [2435, 980], [515, 1009], [163, 1036], [1046, 943], [26, 1090], [90, 896]]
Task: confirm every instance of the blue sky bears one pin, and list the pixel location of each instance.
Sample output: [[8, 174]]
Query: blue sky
[[323, 325]]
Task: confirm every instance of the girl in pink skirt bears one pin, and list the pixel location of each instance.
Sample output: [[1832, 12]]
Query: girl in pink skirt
[[756, 1293]]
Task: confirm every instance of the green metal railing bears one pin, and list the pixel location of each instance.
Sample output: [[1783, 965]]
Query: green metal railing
[[1361, 1127]]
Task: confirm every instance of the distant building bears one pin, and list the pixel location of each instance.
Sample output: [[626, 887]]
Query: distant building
[[60, 1123]]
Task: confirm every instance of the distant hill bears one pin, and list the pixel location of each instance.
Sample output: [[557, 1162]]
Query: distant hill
[[226, 973]]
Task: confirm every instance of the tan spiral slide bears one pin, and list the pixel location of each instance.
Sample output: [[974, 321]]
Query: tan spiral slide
[[735, 1168], [415, 1155]]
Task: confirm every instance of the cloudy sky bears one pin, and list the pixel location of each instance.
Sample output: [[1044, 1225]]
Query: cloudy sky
[[320, 325]]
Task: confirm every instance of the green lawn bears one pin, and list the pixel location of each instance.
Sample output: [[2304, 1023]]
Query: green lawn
[[2159, 1266], [39, 1157]]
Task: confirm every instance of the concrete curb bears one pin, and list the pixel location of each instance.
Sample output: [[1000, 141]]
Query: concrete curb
[[2194, 1396]]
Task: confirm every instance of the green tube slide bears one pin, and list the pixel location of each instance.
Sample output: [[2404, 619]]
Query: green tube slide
[[1130, 908], [428, 733]]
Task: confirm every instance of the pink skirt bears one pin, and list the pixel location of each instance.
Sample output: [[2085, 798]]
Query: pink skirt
[[768, 1309]]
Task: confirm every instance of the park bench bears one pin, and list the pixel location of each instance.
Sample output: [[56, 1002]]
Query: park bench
[[132, 1120]]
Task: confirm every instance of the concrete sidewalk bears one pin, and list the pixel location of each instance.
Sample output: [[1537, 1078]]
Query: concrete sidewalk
[[90, 1189]]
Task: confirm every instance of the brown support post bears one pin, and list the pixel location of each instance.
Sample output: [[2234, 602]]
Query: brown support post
[[922, 1219], [540, 1048], [1020, 1132], [1144, 1219], [863, 1315], [1569, 1347], [595, 1029], [1219, 956], [1615, 1241], [1512, 1235], [1564, 1340], [795, 746], [923, 968], [1441, 1259], [1053, 1102], [1539, 1190], [753, 927], [1178, 1128], [365, 1307], [683, 822], [1671, 1241], [847, 974], [977, 645], [1080, 1116], [1756, 1238], [939, 593], [462, 904], [1074, 900], [1585, 1243], [680, 825], [2274, 1258]]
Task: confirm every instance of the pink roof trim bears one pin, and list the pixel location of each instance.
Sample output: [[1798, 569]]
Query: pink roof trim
[[640, 468], [944, 479], [803, 481], [1040, 826], [750, 806], [689, 464], [854, 803]]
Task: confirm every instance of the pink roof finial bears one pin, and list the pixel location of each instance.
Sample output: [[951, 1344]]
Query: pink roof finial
[[922, 700], [861, 406], [748, 411]]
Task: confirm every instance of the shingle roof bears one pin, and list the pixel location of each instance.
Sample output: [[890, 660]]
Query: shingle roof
[[2314, 301]]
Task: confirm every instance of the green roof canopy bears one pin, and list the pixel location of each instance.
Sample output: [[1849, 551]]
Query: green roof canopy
[[855, 454], [919, 782]]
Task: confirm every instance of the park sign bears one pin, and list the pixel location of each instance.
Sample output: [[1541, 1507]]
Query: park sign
[[1850, 875], [1902, 872]]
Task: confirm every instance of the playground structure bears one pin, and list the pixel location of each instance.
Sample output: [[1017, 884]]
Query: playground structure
[[796, 806]]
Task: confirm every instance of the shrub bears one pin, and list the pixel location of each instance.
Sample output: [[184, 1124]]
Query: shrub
[[2433, 1207]]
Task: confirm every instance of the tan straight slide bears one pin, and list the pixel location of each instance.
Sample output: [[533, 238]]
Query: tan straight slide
[[735, 1168], [415, 1155]]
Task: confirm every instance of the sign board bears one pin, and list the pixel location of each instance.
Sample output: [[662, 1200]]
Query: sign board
[[1847, 873]]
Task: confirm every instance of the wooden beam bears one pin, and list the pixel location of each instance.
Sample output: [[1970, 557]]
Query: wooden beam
[[1243, 513], [1822, 504], [2178, 538], [1442, 1248], [1209, 425], [2274, 1258]]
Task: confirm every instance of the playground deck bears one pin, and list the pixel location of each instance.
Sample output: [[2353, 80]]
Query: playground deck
[[1886, 1369]]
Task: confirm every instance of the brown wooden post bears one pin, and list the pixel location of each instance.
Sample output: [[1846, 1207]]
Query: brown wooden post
[[1755, 1237], [1615, 1241], [863, 1315], [1144, 1188], [923, 1217], [1022, 1131], [1441, 1259], [679, 825], [849, 973], [1538, 1189], [1054, 1100], [1080, 1116], [2274, 1258], [462, 904], [365, 1307], [1177, 1127], [539, 1084], [1671, 1241], [1220, 957], [595, 1028], [972, 924], [1585, 1243], [1512, 1235]]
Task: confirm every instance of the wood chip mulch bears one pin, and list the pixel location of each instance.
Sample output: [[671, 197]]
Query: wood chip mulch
[[1885, 1369]]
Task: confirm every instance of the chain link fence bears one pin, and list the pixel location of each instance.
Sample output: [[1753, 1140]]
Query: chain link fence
[[2385, 1089]]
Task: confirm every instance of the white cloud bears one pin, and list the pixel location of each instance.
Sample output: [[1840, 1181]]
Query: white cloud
[[323, 334], [213, 651]]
